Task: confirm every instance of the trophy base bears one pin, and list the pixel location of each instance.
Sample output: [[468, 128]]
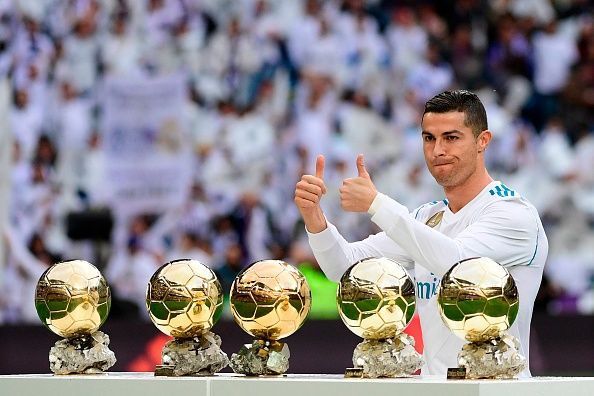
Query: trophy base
[[495, 359], [198, 356], [262, 357], [86, 354], [393, 357]]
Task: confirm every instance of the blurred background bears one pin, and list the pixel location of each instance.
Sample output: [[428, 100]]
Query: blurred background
[[136, 132]]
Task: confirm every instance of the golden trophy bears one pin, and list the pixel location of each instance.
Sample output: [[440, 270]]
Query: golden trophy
[[270, 300], [72, 299], [184, 300], [478, 301], [376, 301]]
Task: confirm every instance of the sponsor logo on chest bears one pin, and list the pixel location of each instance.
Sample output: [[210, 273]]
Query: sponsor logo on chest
[[428, 287]]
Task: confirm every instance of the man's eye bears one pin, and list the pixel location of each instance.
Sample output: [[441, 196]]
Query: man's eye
[[427, 138], [452, 137]]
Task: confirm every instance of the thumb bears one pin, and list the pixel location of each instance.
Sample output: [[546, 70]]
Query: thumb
[[320, 167], [361, 167]]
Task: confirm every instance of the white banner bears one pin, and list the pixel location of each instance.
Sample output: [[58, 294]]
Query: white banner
[[147, 149]]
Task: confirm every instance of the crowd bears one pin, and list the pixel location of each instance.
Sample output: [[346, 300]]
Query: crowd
[[270, 85]]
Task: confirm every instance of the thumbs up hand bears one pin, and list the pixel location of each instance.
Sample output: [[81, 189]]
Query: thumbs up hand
[[308, 193], [357, 193]]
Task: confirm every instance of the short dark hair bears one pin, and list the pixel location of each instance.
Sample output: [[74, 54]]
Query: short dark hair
[[463, 101]]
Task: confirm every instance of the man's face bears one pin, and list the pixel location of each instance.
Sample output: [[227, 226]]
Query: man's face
[[450, 148]]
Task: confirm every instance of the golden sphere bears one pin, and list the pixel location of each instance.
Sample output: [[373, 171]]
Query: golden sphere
[[72, 298], [270, 299], [478, 299], [376, 298], [184, 298]]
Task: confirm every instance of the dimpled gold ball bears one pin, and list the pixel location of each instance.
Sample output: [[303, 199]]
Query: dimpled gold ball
[[72, 298], [270, 299], [376, 298], [478, 299], [184, 298]]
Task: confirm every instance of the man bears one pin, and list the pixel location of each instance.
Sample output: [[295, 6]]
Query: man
[[479, 217]]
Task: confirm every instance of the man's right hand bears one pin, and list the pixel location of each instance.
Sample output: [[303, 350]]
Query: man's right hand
[[308, 193]]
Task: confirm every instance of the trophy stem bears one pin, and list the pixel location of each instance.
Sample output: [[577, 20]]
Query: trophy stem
[[392, 357], [261, 357], [84, 354], [497, 358], [197, 356]]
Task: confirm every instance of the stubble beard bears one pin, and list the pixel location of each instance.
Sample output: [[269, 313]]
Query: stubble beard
[[456, 177]]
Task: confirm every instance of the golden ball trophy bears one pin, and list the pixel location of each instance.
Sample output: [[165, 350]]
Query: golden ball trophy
[[270, 300], [184, 300], [478, 301], [376, 301], [72, 299]]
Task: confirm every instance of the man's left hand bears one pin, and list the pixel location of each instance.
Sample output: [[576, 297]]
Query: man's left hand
[[357, 193]]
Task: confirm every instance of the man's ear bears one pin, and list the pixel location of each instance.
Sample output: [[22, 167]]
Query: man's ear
[[483, 140]]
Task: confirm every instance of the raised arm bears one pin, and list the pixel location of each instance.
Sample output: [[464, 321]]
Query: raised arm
[[333, 253], [506, 231]]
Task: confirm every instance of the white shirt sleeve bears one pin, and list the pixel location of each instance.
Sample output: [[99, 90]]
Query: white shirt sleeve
[[506, 231], [335, 255]]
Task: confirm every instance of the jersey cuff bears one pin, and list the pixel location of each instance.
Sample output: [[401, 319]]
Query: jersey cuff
[[375, 205], [386, 210], [322, 240]]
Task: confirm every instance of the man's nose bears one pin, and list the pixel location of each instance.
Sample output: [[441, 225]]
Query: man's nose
[[438, 148]]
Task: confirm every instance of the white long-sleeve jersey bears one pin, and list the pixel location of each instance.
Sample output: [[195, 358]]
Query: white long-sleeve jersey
[[498, 223]]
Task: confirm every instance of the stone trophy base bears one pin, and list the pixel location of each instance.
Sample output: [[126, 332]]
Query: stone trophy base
[[498, 358], [86, 354], [198, 356], [262, 357], [392, 358]]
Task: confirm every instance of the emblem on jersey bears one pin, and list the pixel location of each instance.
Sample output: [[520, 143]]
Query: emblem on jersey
[[435, 219]]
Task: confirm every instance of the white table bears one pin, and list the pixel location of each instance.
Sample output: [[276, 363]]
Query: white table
[[146, 384]]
